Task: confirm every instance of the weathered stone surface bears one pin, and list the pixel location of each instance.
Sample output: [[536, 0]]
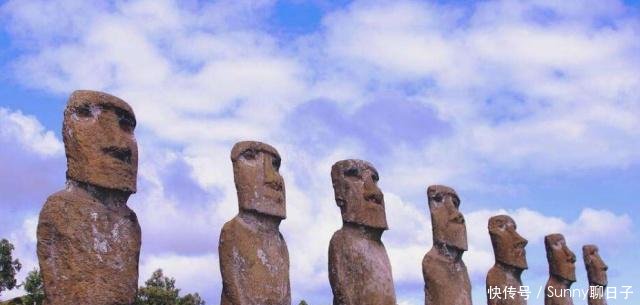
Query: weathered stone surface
[[511, 261], [98, 139], [596, 273], [359, 268], [445, 274], [254, 260], [562, 271], [88, 239]]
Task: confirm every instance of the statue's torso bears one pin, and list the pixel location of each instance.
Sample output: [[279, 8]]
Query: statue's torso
[[363, 268], [499, 279], [88, 251], [552, 298], [599, 296], [260, 263], [446, 283]]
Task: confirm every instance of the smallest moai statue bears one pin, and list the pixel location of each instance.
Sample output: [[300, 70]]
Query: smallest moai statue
[[359, 268], [446, 280], [511, 261], [562, 271], [596, 273]]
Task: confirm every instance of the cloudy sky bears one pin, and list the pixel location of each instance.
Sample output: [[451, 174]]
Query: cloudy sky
[[529, 108]]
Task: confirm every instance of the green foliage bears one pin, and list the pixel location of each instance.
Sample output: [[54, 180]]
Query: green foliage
[[34, 287], [161, 290], [8, 266], [191, 299], [303, 302]]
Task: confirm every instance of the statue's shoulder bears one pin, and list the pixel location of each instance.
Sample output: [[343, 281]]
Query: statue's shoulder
[[232, 227], [59, 202], [339, 237], [429, 257], [337, 242], [495, 277], [432, 262]]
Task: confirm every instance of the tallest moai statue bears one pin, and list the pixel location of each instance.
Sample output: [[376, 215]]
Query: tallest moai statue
[[88, 239]]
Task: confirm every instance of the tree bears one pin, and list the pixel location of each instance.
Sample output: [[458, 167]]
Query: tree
[[8, 266], [34, 287], [191, 299], [161, 290], [303, 302]]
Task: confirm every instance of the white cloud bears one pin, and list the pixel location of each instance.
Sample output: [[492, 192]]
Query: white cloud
[[28, 132], [547, 95]]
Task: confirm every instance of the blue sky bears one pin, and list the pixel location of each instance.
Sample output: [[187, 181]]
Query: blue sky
[[530, 108]]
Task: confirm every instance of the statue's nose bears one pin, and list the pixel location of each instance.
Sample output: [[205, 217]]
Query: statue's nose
[[271, 177], [572, 256], [371, 191], [521, 241]]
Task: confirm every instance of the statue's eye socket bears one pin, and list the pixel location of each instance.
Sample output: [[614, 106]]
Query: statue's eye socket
[[456, 202], [84, 111], [276, 163], [438, 198], [127, 124], [126, 121], [249, 154], [375, 177], [352, 172]]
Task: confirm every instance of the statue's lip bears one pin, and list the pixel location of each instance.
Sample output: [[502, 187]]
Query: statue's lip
[[121, 153], [375, 198], [274, 186]]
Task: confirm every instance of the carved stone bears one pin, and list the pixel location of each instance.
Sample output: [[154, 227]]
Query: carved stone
[[511, 261], [562, 271], [88, 239], [359, 268], [445, 274], [254, 260], [596, 273]]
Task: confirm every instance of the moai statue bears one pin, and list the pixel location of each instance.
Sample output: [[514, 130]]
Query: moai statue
[[359, 268], [596, 273], [446, 281], [562, 271], [88, 239], [254, 260], [508, 248]]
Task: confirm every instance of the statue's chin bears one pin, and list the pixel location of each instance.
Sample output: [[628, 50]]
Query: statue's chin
[[518, 263]]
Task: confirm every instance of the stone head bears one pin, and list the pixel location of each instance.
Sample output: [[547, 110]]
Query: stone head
[[256, 173], [596, 268], [99, 142], [562, 262], [508, 245], [447, 222], [355, 184]]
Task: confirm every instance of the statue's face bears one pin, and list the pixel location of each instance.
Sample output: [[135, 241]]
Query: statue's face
[[99, 141], [596, 268], [355, 183], [562, 262], [508, 245], [258, 182], [447, 221]]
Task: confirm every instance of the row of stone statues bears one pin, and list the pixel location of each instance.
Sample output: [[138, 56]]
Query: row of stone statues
[[89, 240]]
